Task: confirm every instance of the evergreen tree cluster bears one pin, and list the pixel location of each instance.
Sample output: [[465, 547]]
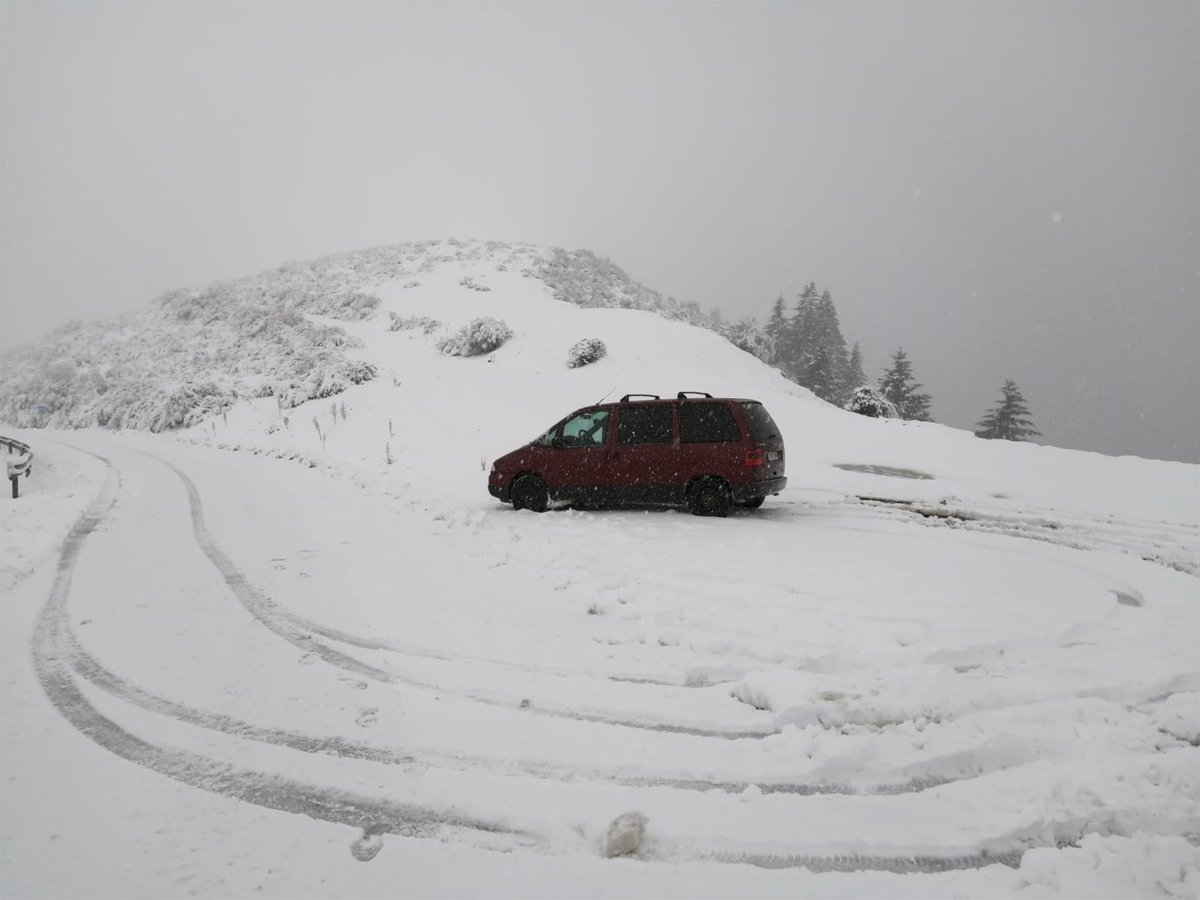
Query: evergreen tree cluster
[[807, 344]]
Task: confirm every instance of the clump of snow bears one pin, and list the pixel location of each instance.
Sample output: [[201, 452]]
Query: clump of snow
[[867, 401], [1142, 865], [366, 847], [585, 352], [1179, 716], [477, 337], [625, 834]]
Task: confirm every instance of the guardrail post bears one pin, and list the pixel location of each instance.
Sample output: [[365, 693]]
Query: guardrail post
[[23, 465]]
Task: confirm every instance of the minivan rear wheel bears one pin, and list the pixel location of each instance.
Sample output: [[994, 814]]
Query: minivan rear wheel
[[711, 497], [530, 493]]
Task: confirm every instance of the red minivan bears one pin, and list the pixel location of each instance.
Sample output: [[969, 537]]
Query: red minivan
[[707, 453]]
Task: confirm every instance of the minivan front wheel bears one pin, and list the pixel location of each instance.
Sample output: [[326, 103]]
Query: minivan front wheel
[[711, 497], [530, 493]]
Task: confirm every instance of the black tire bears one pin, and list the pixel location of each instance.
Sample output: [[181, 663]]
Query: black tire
[[753, 504], [711, 497], [530, 493]]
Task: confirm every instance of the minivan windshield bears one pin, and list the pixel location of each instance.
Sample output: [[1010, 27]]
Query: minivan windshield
[[762, 426]]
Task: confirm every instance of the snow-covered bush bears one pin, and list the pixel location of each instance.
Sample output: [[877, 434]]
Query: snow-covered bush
[[401, 323], [585, 279], [351, 306], [746, 335], [867, 401], [190, 405], [586, 352], [477, 337]]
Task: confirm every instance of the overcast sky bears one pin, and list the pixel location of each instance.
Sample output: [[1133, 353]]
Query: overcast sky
[[1008, 190]]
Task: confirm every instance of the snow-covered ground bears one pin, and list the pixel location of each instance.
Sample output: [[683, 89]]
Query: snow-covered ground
[[934, 666]]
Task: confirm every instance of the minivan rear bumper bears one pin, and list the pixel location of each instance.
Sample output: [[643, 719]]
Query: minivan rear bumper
[[752, 490], [501, 492]]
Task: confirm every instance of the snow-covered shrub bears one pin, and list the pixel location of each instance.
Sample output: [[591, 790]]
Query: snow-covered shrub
[[357, 371], [585, 279], [586, 352], [426, 324], [477, 337], [190, 405], [61, 370], [468, 281], [746, 335], [351, 306], [867, 401]]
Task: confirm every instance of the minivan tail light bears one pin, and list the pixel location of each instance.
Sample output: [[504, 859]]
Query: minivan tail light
[[756, 458]]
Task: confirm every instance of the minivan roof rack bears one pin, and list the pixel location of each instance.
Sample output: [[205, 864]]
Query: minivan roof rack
[[629, 397], [683, 395]]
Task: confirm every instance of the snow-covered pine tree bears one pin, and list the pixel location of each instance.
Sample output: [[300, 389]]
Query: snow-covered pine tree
[[793, 348], [819, 362], [855, 376], [820, 374], [1009, 419], [828, 338], [776, 329], [899, 387]]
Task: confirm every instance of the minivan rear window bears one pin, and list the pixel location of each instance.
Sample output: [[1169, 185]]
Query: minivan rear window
[[762, 426]]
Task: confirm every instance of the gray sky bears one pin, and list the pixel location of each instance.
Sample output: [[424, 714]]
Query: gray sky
[[1008, 191]]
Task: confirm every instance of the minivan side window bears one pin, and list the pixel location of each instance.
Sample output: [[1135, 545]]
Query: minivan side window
[[586, 429], [645, 425], [703, 423]]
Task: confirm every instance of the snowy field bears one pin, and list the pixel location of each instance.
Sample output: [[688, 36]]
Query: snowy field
[[259, 658]]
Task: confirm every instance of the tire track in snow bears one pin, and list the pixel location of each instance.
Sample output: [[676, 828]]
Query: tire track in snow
[[302, 633], [52, 656], [89, 668], [94, 672]]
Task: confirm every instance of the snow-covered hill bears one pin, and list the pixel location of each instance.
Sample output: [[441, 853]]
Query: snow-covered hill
[[193, 354], [969, 661]]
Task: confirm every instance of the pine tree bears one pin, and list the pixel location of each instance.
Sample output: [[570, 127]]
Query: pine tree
[[797, 344], [827, 341], [815, 349], [855, 376], [1009, 419], [898, 386], [820, 374], [776, 328]]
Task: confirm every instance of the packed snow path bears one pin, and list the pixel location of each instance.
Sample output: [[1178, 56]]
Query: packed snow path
[[815, 688]]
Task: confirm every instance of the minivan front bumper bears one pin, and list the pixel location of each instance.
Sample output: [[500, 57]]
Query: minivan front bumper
[[752, 490]]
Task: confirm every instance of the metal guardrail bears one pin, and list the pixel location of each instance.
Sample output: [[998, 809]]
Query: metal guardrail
[[21, 465]]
